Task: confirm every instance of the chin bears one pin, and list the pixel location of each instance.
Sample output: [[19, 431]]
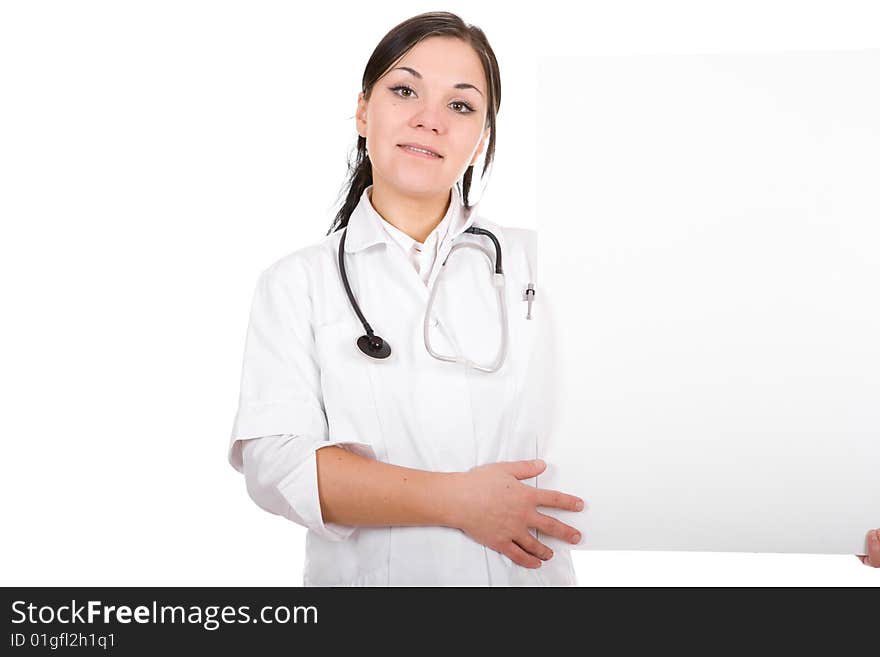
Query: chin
[[414, 185]]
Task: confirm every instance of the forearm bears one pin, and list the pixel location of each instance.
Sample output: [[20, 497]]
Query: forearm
[[359, 491]]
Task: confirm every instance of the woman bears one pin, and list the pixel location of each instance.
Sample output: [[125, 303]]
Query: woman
[[406, 469]]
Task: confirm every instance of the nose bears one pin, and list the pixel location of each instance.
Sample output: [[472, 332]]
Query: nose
[[428, 118], [429, 124]]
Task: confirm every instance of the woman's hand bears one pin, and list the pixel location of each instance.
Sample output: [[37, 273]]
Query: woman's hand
[[873, 557], [496, 510]]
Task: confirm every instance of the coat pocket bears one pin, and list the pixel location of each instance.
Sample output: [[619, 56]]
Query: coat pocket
[[345, 381]]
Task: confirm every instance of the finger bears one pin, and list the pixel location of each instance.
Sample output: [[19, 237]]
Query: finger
[[559, 500], [525, 469], [533, 546], [553, 527], [521, 557], [873, 558]]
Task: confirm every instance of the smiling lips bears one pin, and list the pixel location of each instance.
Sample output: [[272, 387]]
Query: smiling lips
[[420, 151]]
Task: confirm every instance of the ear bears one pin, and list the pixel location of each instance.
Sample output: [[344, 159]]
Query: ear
[[481, 146], [361, 115]]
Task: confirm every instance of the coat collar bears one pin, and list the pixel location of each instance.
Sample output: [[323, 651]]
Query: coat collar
[[365, 227]]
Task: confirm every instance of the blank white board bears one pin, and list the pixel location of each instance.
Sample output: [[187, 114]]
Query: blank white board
[[709, 256]]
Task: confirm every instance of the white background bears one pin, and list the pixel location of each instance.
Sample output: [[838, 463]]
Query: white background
[[154, 157]]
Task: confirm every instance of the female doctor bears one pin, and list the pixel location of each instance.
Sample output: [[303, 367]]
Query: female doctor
[[406, 469]]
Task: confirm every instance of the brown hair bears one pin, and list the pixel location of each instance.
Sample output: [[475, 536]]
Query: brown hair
[[392, 47]]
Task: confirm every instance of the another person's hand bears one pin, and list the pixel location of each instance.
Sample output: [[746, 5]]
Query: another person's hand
[[495, 509], [873, 557]]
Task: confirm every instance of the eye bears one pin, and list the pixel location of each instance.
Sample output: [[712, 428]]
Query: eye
[[402, 87]]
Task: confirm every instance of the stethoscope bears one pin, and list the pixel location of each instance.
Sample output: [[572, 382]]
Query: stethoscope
[[375, 347]]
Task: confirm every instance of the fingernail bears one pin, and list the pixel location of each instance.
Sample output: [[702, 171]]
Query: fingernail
[[876, 535], [580, 505], [576, 538], [539, 463]]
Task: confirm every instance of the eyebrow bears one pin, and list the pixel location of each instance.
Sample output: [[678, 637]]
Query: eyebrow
[[459, 85]]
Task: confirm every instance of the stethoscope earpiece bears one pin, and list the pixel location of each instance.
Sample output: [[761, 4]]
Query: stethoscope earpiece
[[374, 347]]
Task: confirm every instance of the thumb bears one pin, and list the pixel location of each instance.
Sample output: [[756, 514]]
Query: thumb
[[525, 469], [873, 556]]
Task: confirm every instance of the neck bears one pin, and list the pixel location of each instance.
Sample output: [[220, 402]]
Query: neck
[[415, 216]]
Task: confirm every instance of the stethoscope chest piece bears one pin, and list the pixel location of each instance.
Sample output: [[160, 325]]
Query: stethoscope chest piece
[[374, 347]]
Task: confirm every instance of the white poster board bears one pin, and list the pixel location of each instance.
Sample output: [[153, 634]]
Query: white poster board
[[709, 254]]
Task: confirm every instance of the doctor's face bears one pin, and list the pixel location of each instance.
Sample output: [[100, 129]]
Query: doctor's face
[[435, 95]]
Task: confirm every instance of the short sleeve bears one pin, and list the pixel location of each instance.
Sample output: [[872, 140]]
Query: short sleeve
[[280, 394], [280, 389]]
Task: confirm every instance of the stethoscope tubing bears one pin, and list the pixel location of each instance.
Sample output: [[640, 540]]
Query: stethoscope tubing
[[498, 283], [375, 347]]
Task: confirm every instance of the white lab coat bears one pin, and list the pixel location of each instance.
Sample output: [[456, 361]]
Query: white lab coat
[[306, 385]]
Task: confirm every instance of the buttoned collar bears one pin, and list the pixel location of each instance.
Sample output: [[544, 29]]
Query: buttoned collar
[[366, 227], [431, 241]]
